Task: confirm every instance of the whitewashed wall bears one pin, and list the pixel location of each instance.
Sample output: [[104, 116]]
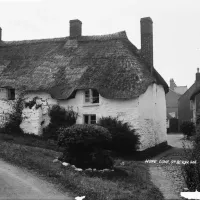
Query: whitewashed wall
[[36, 119], [147, 113], [152, 118]]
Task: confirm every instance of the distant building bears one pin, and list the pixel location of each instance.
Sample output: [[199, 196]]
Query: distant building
[[185, 107], [172, 97], [195, 98]]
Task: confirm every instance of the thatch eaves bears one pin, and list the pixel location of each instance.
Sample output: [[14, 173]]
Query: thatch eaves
[[109, 63]]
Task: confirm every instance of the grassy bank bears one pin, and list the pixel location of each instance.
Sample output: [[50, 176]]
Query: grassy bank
[[129, 181]]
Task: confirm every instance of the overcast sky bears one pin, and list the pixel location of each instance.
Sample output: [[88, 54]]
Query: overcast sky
[[176, 25]]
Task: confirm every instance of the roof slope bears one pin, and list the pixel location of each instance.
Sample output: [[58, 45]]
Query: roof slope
[[180, 89], [60, 66], [188, 93]]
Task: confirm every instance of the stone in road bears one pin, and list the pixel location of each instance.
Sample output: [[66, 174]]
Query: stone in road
[[18, 184]]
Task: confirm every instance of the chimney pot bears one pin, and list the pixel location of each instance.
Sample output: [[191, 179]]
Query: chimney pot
[[75, 28], [198, 77], [172, 84], [146, 25], [0, 33]]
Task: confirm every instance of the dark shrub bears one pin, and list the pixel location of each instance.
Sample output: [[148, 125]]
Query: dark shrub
[[191, 172], [59, 117], [84, 146], [124, 138], [187, 128], [12, 125]]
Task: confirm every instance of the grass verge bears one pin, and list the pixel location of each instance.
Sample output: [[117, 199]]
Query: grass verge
[[129, 181]]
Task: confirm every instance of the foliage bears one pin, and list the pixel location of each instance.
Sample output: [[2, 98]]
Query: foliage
[[124, 138], [84, 146], [191, 171], [59, 117], [12, 126], [32, 103], [187, 128]]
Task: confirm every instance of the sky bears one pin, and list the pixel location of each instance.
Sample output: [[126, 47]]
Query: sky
[[176, 27]]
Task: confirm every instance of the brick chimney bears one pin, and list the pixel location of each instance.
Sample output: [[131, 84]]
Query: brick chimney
[[198, 78], [75, 28], [172, 84], [0, 33], [146, 25]]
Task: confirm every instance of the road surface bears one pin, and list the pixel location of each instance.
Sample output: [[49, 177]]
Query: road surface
[[18, 184]]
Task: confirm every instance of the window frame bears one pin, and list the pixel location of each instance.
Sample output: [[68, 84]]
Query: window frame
[[89, 97], [89, 118], [11, 94]]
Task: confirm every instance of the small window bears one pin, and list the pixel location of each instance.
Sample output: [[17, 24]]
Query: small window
[[95, 96], [11, 94], [89, 119], [91, 96], [86, 119]]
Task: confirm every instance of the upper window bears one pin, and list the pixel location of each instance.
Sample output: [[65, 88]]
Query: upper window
[[11, 94], [7, 94], [91, 96]]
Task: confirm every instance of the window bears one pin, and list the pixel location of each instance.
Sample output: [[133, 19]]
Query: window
[[89, 119], [7, 93], [91, 96], [11, 94]]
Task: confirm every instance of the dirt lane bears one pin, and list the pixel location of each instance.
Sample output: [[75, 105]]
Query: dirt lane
[[168, 178], [16, 183]]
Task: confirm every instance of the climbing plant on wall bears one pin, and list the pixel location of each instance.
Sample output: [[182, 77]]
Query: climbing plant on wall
[[12, 125]]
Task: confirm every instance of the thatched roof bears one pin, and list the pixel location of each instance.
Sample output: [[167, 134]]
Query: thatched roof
[[60, 66]]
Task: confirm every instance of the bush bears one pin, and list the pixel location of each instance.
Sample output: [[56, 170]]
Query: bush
[[59, 117], [124, 138], [12, 126], [187, 128], [191, 172], [84, 146]]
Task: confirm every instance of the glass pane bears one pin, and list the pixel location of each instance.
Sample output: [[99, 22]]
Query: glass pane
[[87, 93], [93, 119], [86, 119], [87, 96], [95, 100], [87, 99], [95, 96]]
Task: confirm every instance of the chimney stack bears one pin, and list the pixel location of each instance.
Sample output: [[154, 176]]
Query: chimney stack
[[172, 84], [197, 78], [146, 25], [0, 33], [75, 28]]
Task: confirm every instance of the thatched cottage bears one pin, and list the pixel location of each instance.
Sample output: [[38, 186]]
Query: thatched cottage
[[95, 75]]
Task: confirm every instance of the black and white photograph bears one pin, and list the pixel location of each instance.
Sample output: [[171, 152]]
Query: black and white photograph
[[99, 100]]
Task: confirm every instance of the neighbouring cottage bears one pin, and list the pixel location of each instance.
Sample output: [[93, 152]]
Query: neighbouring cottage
[[172, 97], [94, 75], [195, 98], [185, 105]]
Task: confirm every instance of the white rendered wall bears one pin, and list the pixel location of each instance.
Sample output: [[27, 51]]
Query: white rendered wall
[[147, 113], [36, 119], [126, 110], [152, 119]]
